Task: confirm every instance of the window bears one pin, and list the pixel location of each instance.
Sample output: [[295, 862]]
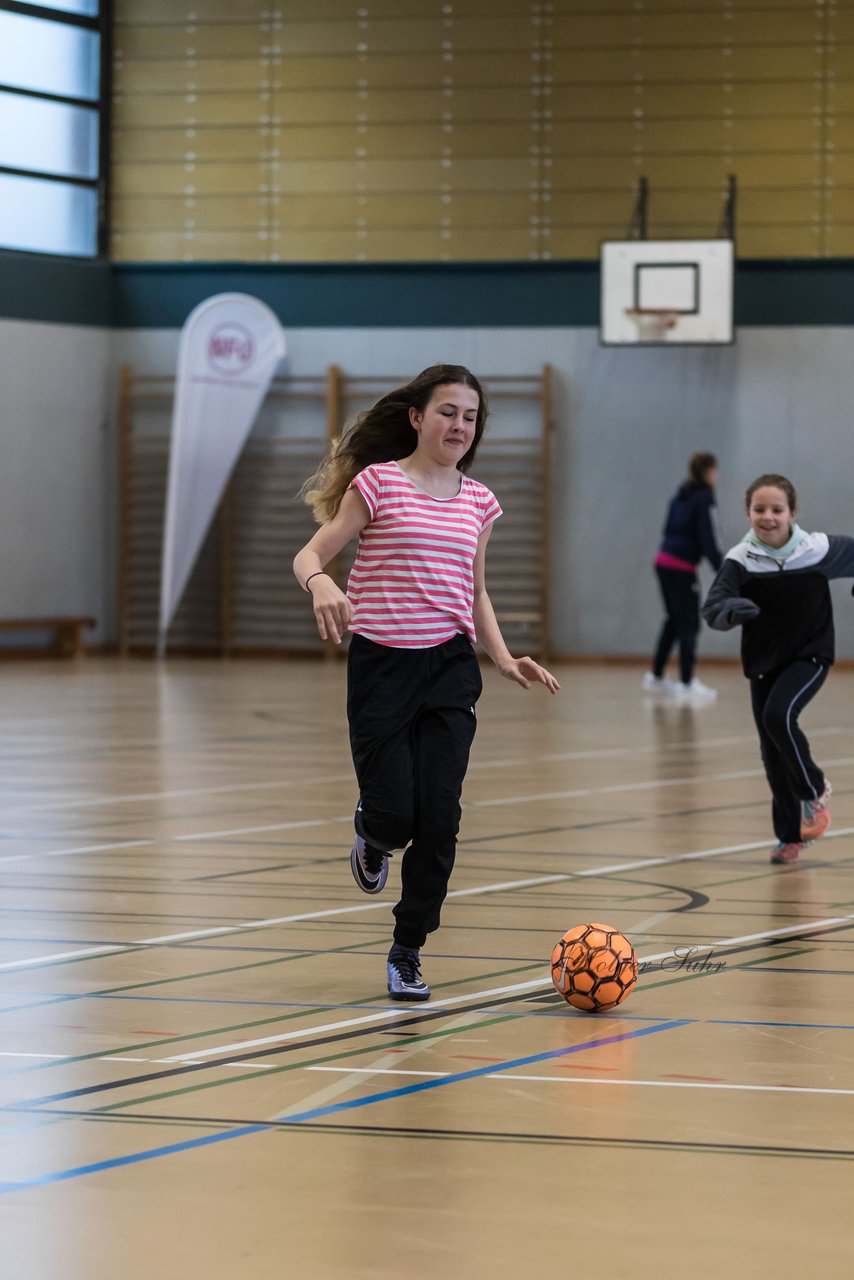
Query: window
[[52, 108]]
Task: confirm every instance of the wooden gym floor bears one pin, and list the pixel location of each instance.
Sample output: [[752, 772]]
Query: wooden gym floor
[[202, 1076]]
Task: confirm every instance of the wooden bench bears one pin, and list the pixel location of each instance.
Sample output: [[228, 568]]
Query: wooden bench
[[65, 635]]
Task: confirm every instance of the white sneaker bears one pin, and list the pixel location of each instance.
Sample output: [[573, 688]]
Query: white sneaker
[[657, 684], [696, 689]]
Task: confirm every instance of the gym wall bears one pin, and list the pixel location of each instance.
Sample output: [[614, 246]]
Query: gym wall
[[478, 130], [440, 193]]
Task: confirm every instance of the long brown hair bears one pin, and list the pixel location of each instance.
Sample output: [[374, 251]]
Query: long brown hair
[[774, 482], [384, 433]]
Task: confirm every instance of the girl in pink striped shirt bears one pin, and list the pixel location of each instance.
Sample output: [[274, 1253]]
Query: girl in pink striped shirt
[[416, 601]]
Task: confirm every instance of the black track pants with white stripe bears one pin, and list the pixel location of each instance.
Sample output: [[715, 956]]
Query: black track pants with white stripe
[[778, 699]]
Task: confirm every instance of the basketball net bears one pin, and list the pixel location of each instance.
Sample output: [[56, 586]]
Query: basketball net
[[653, 323]]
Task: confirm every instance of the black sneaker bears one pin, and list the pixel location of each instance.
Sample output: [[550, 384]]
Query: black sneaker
[[404, 974], [369, 866]]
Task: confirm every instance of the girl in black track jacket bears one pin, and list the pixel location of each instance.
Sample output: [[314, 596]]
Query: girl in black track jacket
[[774, 584]]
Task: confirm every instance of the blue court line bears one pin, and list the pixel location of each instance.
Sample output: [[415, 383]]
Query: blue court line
[[63, 1175], [336, 1107]]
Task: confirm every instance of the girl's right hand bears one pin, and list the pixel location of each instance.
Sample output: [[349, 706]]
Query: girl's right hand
[[332, 609]]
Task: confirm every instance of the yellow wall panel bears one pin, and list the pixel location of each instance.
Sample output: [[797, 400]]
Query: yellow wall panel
[[630, 7], [166, 43], [497, 208], [345, 107], [839, 203], [756, 170], [582, 242], [623, 66], [504, 139], [151, 111], [840, 24], [760, 205], [840, 167], [176, 77], [162, 12], [765, 241], [202, 145], [706, 27], [389, 37], [212, 212], [841, 63], [789, 98], [461, 103], [419, 70], [370, 131], [839, 241], [840, 97], [175, 179]]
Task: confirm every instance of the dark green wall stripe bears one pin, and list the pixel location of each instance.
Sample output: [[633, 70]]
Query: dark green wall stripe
[[55, 290], [447, 295]]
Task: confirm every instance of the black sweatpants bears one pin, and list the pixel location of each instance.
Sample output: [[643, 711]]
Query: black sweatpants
[[412, 723], [778, 699], [680, 592]]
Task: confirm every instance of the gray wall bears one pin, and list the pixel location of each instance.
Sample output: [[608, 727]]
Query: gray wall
[[55, 483], [626, 422]]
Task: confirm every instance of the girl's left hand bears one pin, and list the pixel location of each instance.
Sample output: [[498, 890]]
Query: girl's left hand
[[525, 671]]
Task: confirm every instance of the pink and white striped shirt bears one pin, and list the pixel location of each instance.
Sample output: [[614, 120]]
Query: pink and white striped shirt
[[412, 582]]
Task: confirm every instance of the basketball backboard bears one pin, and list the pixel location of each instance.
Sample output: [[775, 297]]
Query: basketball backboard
[[666, 292]]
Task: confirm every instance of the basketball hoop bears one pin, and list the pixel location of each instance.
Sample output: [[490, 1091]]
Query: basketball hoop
[[653, 323]]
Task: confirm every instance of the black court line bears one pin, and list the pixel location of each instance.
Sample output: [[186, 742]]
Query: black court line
[[687, 1145], [416, 1020], [292, 1047]]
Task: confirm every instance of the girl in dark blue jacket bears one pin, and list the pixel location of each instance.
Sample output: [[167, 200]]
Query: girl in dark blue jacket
[[690, 533]]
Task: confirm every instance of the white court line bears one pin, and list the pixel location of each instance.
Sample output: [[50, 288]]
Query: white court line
[[148, 841], [273, 826], [638, 864], [378, 1071], [303, 1033], [66, 955], [633, 786], [83, 848], [508, 1077], [76, 802], [85, 802], [319, 822], [673, 1084], [201, 836], [9, 1054]]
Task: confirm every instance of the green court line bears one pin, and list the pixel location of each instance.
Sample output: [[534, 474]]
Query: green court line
[[401, 1043], [759, 875], [118, 950], [189, 977], [83, 1057], [257, 1022]]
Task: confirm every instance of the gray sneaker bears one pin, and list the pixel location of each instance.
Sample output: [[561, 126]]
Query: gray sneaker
[[404, 974], [369, 866]]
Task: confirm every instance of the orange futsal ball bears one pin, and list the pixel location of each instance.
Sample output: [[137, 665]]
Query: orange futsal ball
[[594, 967]]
